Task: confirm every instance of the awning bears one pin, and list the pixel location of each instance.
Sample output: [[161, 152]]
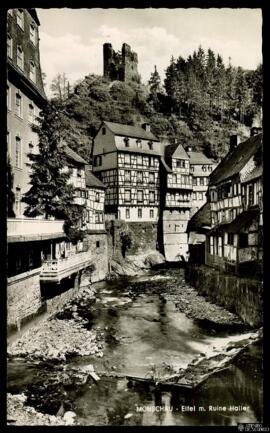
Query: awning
[[243, 219]]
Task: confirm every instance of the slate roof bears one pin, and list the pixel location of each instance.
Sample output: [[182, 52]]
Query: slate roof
[[200, 158], [243, 219], [130, 131], [201, 219], [234, 161], [254, 174], [175, 150], [73, 155], [91, 180]]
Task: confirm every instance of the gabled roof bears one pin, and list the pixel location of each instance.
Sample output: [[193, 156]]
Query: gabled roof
[[175, 150], [200, 158], [201, 219], [91, 180], [73, 155], [130, 131], [254, 174], [235, 160]]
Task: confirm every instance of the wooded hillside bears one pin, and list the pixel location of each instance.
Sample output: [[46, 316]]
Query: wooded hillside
[[201, 103]]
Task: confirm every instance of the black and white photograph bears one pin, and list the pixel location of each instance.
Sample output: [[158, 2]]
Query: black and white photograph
[[134, 171]]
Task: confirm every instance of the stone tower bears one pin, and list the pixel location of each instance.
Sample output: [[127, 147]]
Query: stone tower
[[122, 66]]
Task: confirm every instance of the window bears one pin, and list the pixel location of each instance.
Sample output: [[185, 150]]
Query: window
[[220, 246], [127, 159], [97, 244], [194, 181], [192, 168], [126, 141], [97, 197], [20, 57], [151, 177], [8, 142], [243, 240], [33, 34], [200, 196], [140, 196], [139, 177], [127, 214], [151, 196], [139, 213], [210, 168], [139, 143], [250, 195], [204, 167], [230, 238], [139, 160], [174, 179], [18, 152], [201, 181], [150, 145], [211, 245], [151, 213], [32, 72], [31, 113], [97, 161], [151, 161], [18, 201], [9, 47], [20, 18], [180, 163], [194, 195], [127, 176], [127, 195], [8, 98]]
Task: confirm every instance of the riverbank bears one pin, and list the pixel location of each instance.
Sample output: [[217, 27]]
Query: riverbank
[[87, 326]]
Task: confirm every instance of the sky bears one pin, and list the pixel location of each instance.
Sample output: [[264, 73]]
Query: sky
[[71, 40]]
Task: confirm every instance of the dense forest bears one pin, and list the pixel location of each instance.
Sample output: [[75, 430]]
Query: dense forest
[[201, 103]]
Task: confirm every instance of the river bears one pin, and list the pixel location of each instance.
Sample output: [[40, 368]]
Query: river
[[145, 333]]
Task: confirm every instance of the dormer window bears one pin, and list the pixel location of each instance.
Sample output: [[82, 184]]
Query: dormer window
[[9, 47], [126, 141], [33, 34], [32, 71], [20, 18], [20, 57], [139, 143], [150, 145]]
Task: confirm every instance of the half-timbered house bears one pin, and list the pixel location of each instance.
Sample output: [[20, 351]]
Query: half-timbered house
[[234, 194], [200, 167], [126, 160], [95, 202], [176, 190]]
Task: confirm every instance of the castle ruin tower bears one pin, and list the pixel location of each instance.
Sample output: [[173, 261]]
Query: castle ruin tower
[[122, 66]]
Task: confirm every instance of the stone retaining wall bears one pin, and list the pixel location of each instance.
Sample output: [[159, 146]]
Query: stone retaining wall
[[242, 296]]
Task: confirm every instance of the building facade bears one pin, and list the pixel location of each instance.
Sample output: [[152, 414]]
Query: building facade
[[200, 167], [176, 190], [234, 242], [126, 160]]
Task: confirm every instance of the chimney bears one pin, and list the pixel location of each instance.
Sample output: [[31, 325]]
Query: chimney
[[188, 149], [146, 127], [234, 141], [255, 130]]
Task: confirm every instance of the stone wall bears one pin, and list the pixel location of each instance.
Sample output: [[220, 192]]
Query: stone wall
[[98, 247], [240, 295], [23, 298], [143, 234]]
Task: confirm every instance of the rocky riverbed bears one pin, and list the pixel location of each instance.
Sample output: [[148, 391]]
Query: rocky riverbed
[[72, 332]]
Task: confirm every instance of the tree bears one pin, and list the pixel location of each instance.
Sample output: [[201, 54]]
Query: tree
[[155, 87], [60, 87], [50, 195], [10, 193]]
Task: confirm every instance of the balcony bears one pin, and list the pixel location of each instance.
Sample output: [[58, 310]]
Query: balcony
[[26, 229], [56, 269]]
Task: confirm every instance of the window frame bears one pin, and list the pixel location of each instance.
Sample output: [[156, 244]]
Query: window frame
[[19, 49], [18, 97]]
